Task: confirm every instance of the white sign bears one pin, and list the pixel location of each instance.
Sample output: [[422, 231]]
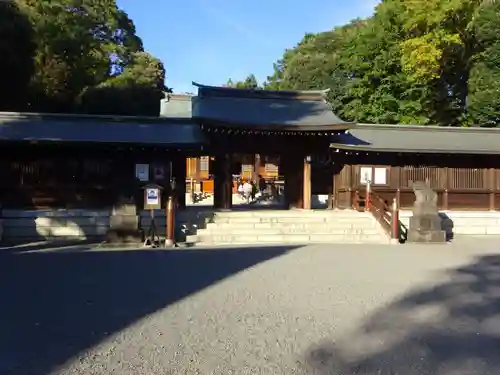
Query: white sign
[[365, 175], [142, 172], [152, 197], [380, 177]]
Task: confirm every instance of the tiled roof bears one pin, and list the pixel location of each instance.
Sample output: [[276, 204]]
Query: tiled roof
[[419, 139], [99, 129], [266, 110]]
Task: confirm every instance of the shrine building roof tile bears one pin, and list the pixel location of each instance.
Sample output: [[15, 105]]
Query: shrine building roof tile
[[98, 129], [419, 139]]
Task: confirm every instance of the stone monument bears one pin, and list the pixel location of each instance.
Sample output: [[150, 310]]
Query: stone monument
[[124, 224], [425, 224]]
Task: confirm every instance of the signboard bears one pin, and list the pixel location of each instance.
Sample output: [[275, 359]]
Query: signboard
[[152, 197], [365, 174], [142, 172], [380, 177]]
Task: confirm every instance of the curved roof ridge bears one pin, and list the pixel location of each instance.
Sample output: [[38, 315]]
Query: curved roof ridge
[[292, 94]]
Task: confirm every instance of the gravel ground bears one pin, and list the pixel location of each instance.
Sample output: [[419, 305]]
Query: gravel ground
[[277, 310]]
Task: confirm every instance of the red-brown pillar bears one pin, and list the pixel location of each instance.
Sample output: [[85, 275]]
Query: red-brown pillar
[[179, 172], [306, 181], [223, 182]]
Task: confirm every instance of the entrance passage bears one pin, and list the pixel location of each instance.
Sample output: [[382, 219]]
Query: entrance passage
[[287, 181]]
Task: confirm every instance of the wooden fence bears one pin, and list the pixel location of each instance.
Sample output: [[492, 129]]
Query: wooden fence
[[457, 188]]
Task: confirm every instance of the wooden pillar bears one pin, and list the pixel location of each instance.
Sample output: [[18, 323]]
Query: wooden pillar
[[256, 168], [223, 182], [444, 204], [492, 187], [179, 173], [293, 170], [331, 193], [306, 181], [335, 194]]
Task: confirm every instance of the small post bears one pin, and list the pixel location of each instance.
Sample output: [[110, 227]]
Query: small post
[[306, 189], [191, 189], [170, 213], [445, 200], [395, 220], [170, 221], [367, 196]]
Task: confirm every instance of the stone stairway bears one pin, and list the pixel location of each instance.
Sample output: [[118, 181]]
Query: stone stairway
[[294, 226]]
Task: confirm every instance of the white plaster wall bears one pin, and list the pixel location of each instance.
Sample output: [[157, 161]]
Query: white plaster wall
[[54, 224], [473, 223], [39, 225]]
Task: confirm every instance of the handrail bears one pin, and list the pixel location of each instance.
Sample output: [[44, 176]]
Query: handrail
[[387, 216], [380, 210]]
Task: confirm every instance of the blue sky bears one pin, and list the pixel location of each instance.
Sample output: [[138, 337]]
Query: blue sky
[[209, 41]]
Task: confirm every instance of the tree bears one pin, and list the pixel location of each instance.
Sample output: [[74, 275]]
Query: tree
[[17, 48], [484, 82], [413, 62], [137, 90], [249, 83], [62, 52]]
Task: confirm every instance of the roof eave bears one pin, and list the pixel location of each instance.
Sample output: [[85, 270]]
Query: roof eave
[[412, 151], [275, 127], [5, 116], [426, 128]]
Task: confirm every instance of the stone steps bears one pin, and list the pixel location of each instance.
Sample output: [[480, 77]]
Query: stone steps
[[290, 231], [294, 226], [215, 240], [291, 226]]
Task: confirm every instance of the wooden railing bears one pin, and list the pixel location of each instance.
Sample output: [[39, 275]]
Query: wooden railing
[[387, 216], [457, 188]]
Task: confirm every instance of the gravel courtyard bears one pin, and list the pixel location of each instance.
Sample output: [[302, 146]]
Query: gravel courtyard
[[271, 310]]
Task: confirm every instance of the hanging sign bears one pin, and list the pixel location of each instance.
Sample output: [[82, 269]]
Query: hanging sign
[[152, 197]]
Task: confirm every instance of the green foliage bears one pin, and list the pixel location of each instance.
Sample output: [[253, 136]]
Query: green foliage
[[412, 62], [249, 83], [17, 48], [136, 91], [484, 81], [64, 52]]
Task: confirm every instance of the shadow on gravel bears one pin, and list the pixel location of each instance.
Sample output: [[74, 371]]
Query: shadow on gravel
[[17, 247], [453, 328], [54, 305]]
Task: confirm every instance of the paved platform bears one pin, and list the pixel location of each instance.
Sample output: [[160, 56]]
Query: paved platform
[[322, 309]]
